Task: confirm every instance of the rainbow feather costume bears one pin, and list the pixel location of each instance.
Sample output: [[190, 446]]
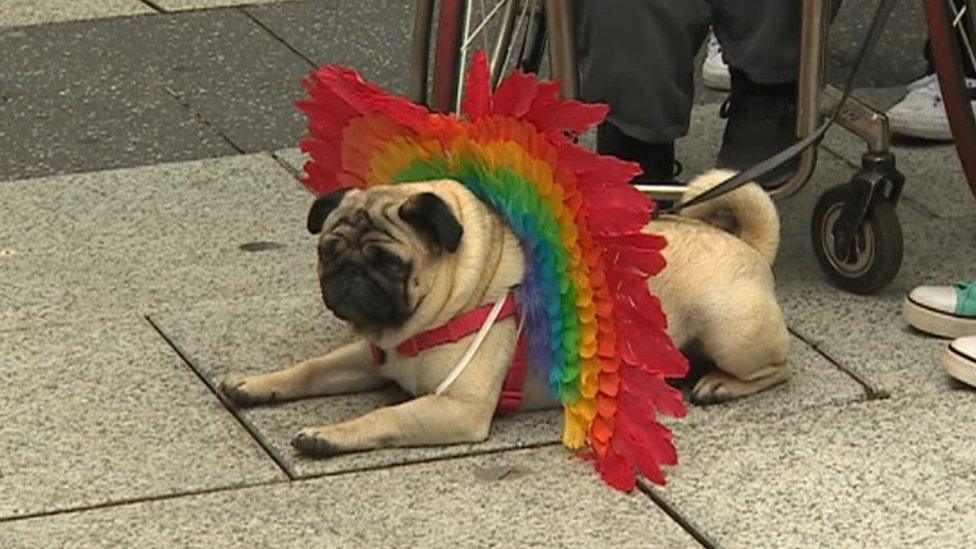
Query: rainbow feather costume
[[596, 333]]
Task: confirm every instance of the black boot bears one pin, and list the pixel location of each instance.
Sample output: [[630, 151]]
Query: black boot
[[761, 122], [656, 159]]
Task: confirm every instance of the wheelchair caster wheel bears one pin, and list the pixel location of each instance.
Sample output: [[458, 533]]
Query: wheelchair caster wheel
[[872, 260]]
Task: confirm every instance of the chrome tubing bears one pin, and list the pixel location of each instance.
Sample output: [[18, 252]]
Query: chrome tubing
[[420, 51], [858, 118], [971, 9], [562, 46], [500, 54], [463, 55], [813, 56]]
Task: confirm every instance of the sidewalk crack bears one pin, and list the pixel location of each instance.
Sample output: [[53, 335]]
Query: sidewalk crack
[[684, 522], [295, 173], [278, 38], [202, 119], [153, 5], [233, 410], [870, 392], [137, 500]]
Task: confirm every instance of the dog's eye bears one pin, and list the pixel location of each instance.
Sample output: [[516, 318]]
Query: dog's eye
[[328, 249], [387, 262]]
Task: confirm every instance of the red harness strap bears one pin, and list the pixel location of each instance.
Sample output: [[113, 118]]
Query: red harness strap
[[465, 325]]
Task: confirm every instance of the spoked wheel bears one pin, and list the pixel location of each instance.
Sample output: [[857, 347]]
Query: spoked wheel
[[872, 260], [952, 29], [511, 31]]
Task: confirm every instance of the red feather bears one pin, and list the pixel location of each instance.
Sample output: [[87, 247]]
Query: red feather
[[515, 94], [641, 388], [616, 471], [477, 101], [638, 446]]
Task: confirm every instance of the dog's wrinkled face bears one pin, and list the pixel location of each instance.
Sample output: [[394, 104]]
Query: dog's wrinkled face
[[374, 247]]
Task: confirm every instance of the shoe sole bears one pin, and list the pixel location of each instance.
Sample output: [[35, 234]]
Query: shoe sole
[[932, 134], [939, 323], [960, 366]]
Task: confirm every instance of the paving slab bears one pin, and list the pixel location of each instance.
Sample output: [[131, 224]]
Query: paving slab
[[246, 86], [866, 334], [119, 242], [66, 109], [893, 473], [33, 12], [698, 150], [536, 498], [372, 37], [107, 413]]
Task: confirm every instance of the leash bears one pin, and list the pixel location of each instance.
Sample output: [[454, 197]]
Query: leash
[[773, 162]]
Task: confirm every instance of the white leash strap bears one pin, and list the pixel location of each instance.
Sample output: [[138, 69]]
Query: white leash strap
[[479, 338]]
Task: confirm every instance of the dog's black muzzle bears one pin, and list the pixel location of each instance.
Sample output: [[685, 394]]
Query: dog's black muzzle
[[353, 295]]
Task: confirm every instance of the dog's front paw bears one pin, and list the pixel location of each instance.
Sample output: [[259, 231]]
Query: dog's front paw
[[247, 391], [314, 443]]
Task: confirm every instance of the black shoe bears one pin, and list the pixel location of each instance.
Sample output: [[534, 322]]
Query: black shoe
[[761, 122], [656, 159]]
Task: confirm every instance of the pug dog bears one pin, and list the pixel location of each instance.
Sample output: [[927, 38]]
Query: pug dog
[[397, 260]]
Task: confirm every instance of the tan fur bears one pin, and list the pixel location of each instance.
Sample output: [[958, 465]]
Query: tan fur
[[716, 290], [757, 223]]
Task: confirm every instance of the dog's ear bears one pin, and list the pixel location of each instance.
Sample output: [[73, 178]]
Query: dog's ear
[[322, 207], [432, 218]]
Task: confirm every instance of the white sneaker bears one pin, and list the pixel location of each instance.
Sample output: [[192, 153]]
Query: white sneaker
[[921, 113], [960, 359], [946, 311], [715, 73]]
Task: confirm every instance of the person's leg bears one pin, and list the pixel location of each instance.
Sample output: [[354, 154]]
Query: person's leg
[[761, 38], [637, 56], [761, 44]]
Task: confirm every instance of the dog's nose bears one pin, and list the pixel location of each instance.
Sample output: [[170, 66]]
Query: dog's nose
[[353, 297], [349, 295]]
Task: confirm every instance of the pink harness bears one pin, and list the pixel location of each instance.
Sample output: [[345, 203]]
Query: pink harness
[[465, 325]]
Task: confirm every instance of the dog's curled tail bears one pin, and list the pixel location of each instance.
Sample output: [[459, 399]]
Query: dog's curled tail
[[753, 210]]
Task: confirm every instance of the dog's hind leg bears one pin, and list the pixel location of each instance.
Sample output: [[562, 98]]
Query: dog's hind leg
[[348, 369], [718, 386], [750, 359]]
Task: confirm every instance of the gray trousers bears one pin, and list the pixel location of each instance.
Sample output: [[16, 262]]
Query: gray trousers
[[638, 55]]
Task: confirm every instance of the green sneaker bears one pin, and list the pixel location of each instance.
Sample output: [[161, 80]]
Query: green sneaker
[[946, 311]]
